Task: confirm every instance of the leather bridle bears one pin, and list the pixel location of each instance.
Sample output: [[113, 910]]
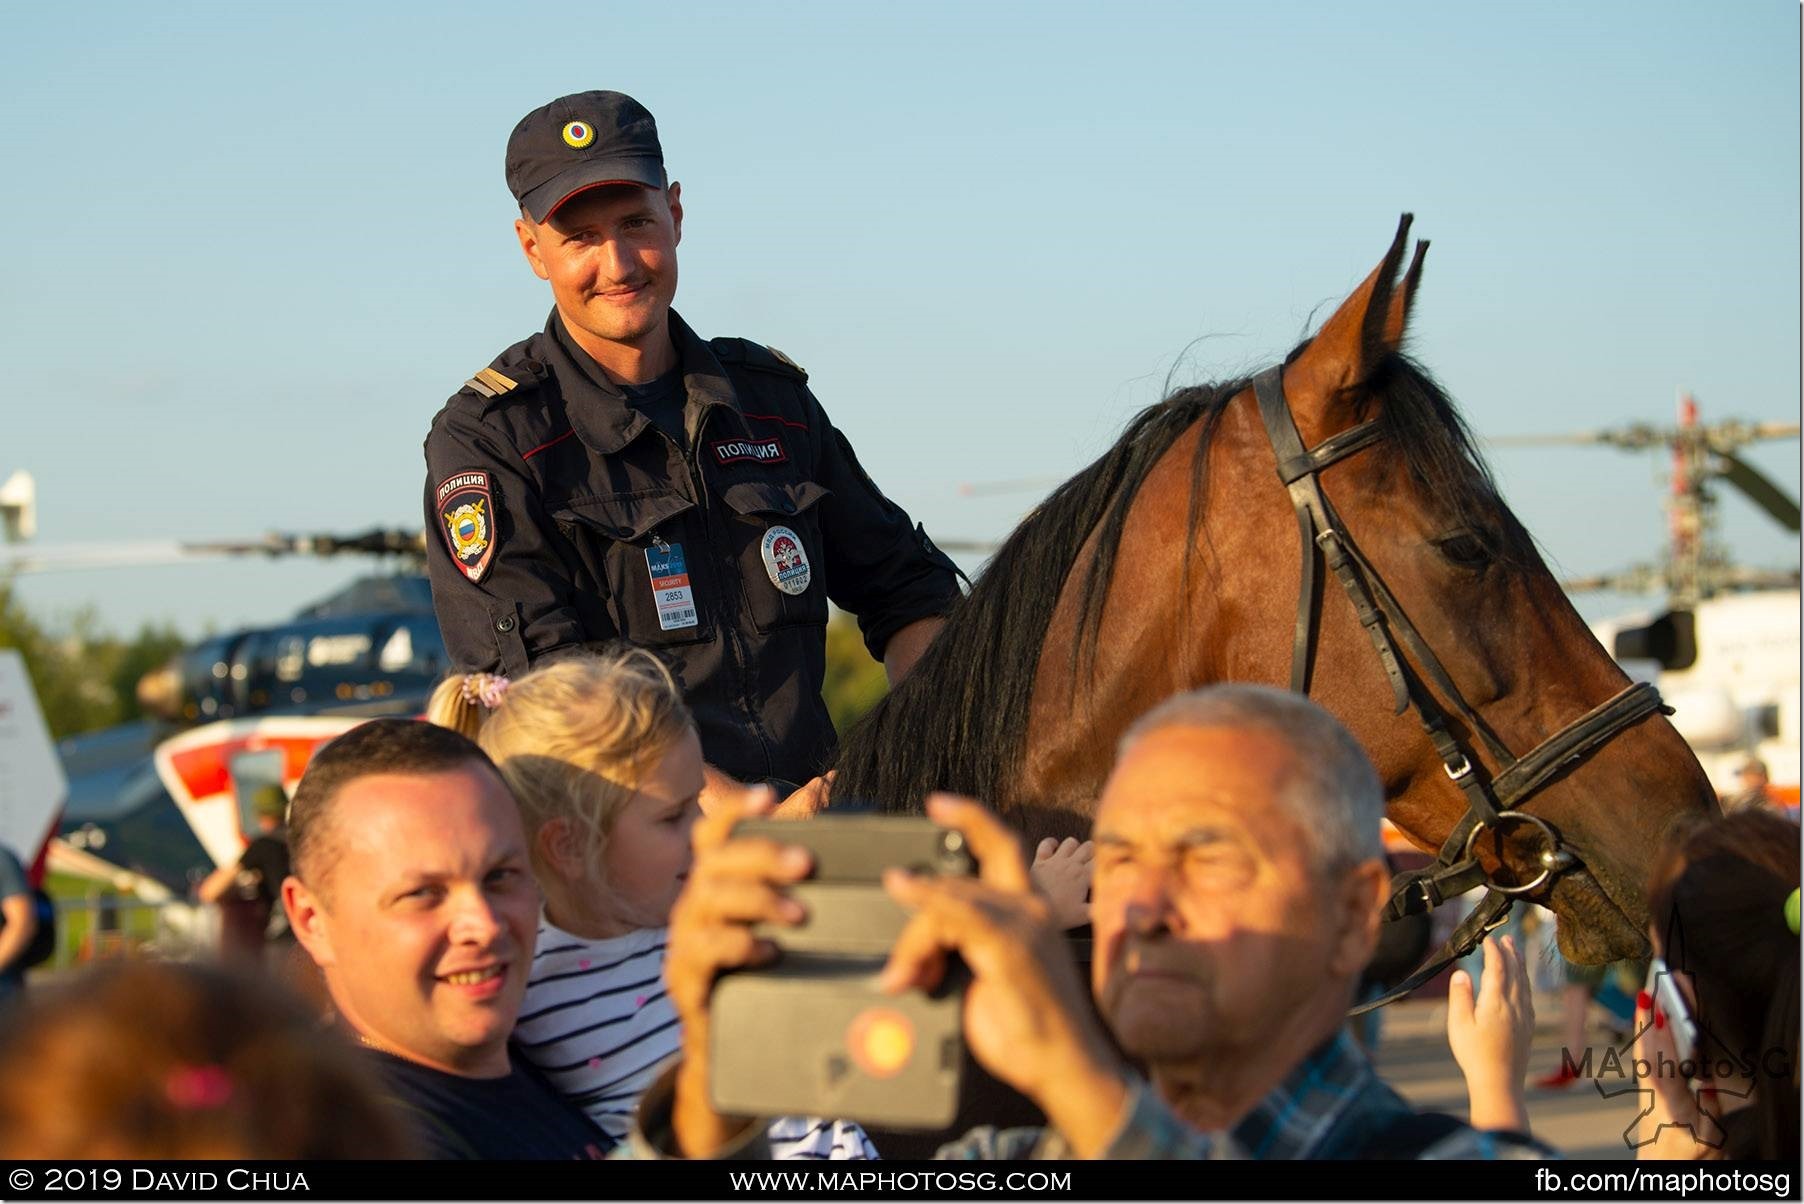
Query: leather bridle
[[1492, 803]]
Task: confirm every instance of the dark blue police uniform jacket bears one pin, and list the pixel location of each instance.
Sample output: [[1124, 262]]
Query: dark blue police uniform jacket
[[553, 506]]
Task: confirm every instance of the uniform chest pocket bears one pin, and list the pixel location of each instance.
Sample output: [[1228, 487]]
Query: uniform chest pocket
[[776, 533], [621, 539]]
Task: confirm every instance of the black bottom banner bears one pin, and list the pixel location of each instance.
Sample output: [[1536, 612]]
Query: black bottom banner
[[1314, 1181]]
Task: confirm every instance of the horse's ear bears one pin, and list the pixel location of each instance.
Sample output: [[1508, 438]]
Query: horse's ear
[[1361, 333], [1397, 320]]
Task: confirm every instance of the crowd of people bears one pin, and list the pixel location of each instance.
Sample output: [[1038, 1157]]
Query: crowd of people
[[519, 936], [513, 915]]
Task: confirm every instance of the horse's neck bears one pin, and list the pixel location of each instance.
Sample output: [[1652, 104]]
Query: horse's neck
[[1183, 608]]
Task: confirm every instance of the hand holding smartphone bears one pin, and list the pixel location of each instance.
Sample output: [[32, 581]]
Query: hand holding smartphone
[[812, 1034]]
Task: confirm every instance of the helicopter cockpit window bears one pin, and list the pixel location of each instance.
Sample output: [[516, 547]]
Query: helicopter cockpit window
[[291, 658], [414, 648], [338, 650], [397, 650]]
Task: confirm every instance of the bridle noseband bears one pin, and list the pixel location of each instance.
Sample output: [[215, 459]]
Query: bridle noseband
[[1492, 804]]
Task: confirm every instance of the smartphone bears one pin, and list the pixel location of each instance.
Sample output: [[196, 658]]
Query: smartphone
[[849, 913], [811, 1035], [1669, 999]]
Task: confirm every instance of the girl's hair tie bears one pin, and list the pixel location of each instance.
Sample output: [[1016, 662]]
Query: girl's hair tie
[[192, 1087], [1791, 911], [485, 688]]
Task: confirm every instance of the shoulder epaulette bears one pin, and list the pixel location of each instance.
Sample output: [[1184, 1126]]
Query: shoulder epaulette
[[491, 383], [758, 356], [515, 379]]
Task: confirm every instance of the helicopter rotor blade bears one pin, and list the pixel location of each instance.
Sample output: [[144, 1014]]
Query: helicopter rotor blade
[[51, 558], [981, 547], [1636, 579], [1020, 485], [1760, 490], [1634, 437], [1726, 438], [20, 559]]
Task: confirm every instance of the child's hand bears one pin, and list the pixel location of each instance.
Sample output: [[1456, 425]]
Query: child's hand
[[1061, 872], [1490, 1035]]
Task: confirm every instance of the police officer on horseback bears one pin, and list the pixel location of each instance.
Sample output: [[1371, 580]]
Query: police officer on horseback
[[617, 476]]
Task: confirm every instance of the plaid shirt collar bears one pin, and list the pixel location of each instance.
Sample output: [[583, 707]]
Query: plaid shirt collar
[[1327, 1107]]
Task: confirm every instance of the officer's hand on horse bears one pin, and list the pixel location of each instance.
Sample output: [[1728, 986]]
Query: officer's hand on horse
[[722, 794], [807, 802], [1028, 1017], [733, 884]]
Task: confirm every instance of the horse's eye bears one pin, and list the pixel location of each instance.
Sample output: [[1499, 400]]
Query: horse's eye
[[1466, 549]]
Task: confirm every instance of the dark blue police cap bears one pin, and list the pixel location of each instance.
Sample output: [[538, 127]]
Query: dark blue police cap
[[580, 142]]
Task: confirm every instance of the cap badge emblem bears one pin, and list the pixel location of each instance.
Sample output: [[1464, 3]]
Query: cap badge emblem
[[579, 134]]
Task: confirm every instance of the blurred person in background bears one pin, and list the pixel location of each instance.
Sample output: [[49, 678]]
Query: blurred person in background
[[138, 1060], [18, 925], [1612, 988], [1753, 788], [1724, 908], [249, 891]]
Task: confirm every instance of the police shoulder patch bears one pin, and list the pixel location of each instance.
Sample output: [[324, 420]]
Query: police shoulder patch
[[466, 514]]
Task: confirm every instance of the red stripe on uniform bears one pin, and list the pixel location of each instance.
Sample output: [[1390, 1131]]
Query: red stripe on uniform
[[541, 447], [800, 426]]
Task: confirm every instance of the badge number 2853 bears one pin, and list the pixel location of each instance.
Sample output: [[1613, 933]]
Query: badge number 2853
[[670, 586]]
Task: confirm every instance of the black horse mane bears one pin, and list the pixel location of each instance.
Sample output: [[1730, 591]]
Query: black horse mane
[[959, 721]]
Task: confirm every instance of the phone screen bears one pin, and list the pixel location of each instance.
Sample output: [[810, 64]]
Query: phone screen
[[1669, 999]]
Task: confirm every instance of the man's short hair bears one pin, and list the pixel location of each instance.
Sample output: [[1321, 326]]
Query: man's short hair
[[1331, 790], [399, 746]]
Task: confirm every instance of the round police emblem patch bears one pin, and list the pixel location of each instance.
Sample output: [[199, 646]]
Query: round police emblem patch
[[579, 134], [785, 560], [469, 531]]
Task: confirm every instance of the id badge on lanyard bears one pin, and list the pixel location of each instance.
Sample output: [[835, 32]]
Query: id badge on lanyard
[[670, 588]]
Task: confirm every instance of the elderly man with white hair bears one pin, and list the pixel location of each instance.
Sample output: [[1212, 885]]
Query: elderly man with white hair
[[1235, 901]]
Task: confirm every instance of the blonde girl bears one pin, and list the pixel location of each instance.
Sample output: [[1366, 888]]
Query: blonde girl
[[602, 755]]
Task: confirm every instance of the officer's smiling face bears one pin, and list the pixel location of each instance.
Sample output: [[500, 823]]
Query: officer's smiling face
[[609, 255]]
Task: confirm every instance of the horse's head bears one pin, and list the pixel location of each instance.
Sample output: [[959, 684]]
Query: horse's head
[[1172, 561], [1422, 512]]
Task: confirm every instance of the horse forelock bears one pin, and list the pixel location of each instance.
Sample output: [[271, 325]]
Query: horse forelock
[[1422, 427], [959, 722]]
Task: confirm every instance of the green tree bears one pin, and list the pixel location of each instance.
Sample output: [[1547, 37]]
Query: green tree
[[151, 648], [84, 678], [51, 665], [854, 681]]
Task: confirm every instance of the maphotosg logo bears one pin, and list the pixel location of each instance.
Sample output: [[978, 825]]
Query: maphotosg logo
[[1713, 1076]]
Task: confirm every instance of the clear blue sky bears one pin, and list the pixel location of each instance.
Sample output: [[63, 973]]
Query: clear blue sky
[[248, 249]]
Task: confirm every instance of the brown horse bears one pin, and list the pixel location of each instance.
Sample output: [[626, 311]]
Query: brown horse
[[1172, 561]]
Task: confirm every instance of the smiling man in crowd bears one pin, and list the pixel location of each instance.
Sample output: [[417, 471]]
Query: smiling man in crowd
[[412, 891], [1235, 902]]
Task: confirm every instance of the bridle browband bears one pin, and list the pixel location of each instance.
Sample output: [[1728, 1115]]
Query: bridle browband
[[1492, 803]]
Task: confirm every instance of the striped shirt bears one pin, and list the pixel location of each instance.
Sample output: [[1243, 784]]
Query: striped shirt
[[597, 1023]]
